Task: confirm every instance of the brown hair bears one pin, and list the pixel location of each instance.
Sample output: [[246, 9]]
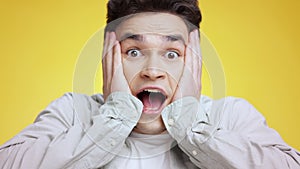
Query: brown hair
[[188, 10]]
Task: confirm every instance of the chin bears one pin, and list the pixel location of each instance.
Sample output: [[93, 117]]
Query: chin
[[150, 124]]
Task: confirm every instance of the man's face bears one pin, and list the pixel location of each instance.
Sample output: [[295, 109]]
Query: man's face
[[153, 49]]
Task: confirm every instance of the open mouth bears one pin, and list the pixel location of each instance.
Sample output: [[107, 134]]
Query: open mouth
[[152, 100]]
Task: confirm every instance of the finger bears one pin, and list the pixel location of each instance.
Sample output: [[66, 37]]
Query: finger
[[197, 46], [194, 55], [105, 44], [200, 58], [197, 63], [109, 56], [104, 64], [199, 54], [117, 57], [188, 67], [103, 57], [108, 60], [188, 53], [187, 75], [116, 65], [197, 43]]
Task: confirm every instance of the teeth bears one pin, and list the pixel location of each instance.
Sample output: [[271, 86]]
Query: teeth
[[152, 90]]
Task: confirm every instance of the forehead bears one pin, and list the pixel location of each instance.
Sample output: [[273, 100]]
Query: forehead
[[154, 23]]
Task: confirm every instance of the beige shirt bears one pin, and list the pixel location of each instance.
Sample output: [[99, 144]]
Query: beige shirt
[[79, 131], [148, 152]]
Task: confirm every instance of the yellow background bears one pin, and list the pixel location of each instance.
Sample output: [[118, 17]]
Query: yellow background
[[257, 41]]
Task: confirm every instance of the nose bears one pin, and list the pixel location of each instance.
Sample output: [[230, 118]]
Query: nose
[[152, 69], [153, 73]]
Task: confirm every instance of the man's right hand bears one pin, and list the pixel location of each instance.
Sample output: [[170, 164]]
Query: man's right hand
[[112, 68]]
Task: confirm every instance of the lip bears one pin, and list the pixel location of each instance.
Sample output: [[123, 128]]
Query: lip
[[152, 87], [157, 111]]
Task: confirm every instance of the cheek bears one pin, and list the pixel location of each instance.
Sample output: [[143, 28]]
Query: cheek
[[174, 72], [131, 70]]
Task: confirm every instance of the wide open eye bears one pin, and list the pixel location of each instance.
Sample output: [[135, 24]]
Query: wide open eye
[[134, 53], [171, 55]]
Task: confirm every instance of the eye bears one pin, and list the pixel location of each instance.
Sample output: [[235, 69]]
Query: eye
[[172, 55], [134, 53]]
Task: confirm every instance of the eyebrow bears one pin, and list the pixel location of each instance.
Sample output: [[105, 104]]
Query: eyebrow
[[139, 37], [173, 38]]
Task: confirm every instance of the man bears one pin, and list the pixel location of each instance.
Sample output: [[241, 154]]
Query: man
[[152, 114]]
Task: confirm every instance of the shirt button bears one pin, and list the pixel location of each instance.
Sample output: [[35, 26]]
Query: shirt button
[[171, 122], [112, 142], [194, 152]]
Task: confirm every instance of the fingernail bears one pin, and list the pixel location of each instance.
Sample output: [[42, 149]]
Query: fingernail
[[191, 35], [113, 35], [108, 35], [116, 43]]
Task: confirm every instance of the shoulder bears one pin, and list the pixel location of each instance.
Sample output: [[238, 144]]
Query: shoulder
[[231, 112], [228, 103], [72, 105], [71, 100]]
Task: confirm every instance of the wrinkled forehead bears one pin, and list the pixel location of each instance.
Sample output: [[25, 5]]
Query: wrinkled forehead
[[158, 39], [163, 25]]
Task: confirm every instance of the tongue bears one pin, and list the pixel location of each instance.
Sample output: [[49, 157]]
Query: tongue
[[151, 101]]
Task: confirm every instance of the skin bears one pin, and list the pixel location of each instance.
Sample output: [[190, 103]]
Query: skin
[[159, 54]]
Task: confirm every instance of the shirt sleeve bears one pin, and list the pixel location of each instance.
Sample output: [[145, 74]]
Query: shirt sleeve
[[73, 132], [228, 133]]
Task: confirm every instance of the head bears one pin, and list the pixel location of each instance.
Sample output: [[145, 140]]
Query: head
[[119, 10], [153, 35]]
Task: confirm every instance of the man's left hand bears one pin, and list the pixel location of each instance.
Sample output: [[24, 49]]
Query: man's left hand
[[190, 81]]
